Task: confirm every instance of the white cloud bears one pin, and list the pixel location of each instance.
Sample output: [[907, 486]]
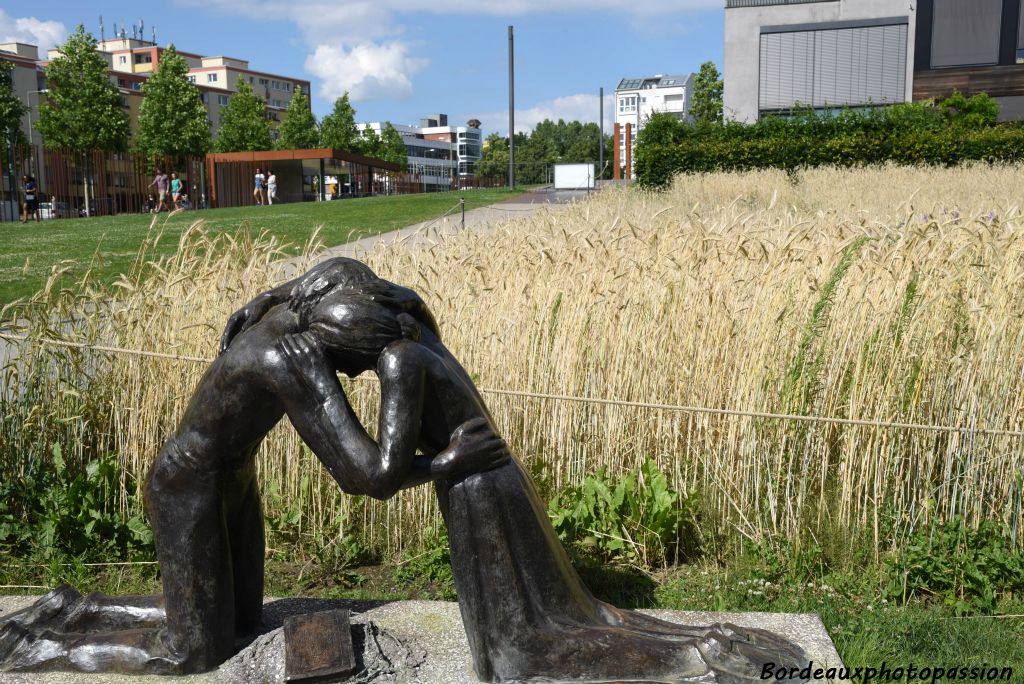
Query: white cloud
[[349, 35], [44, 34], [366, 70], [570, 107]]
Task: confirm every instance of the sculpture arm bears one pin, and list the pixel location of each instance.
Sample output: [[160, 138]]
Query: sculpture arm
[[320, 411]]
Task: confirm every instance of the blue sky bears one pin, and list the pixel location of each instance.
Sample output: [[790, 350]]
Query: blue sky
[[401, 61]]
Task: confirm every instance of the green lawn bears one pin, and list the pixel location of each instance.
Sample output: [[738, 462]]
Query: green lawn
[[109, 244]]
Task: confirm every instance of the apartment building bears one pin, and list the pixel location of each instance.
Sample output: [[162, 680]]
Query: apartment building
[[638, 98], [826, 54], [436, 151], [131, 61]]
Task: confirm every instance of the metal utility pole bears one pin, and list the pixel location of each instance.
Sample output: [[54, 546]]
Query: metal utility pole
[[511, 112], [600, 136]]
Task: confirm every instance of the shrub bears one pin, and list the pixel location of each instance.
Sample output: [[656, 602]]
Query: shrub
[[958, 129]]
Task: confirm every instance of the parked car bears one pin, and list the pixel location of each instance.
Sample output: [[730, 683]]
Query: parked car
[[50, 210]]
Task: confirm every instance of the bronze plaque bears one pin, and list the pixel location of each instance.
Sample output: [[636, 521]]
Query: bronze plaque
[[318, 647]]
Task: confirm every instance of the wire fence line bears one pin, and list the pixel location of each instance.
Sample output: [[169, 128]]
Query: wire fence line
[[740, 413]]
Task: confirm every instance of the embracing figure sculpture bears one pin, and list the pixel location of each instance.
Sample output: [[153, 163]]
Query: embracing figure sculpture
[[526, 613]]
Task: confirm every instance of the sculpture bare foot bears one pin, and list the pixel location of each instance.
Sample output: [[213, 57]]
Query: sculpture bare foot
[[46, 609], [737, 655]]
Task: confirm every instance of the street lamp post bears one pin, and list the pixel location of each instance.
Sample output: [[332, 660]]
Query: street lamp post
[[31, 144]]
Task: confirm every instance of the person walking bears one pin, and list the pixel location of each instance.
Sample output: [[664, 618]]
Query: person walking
[[271, 186], [175, 190], [161, 182], [258, 191], [30, 202]]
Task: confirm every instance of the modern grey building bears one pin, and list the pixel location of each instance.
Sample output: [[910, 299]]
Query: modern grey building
[[972, 46], [827, 54], [853, 53]]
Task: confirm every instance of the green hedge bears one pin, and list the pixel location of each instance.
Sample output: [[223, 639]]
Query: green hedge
[[917, 133]]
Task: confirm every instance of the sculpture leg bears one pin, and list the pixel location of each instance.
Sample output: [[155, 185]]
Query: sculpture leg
[[248, 545], [186, 508]]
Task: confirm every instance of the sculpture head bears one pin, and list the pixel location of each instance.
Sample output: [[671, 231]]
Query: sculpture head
[[354, 323]]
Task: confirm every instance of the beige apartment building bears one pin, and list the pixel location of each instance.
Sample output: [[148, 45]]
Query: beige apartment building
[[131, 61]]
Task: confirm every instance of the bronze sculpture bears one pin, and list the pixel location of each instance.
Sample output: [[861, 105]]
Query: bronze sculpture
[[524, 608]]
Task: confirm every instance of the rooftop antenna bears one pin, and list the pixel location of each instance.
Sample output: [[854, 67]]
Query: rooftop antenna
[[154, 34], [124, 31], [102, 37], [142, 30]]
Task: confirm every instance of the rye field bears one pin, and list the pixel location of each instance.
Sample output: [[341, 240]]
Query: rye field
[[831, 357]]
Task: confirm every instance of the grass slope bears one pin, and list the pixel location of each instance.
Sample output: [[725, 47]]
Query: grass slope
[[109, 244]]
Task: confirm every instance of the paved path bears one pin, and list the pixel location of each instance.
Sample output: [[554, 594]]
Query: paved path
[[481, 219]]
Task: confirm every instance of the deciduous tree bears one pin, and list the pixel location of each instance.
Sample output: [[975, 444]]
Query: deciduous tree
[[243, 123], [83, 109], [172, 119], [299, 130], [392, 147], [11, 106], [706, 103], [338, 129]]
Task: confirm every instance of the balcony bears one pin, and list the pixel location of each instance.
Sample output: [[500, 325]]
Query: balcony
[[730, 4]]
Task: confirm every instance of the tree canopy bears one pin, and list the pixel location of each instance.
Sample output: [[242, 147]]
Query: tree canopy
[[83, 109], [172, 118], [243, 123], [392, 147], [550, 142], [338, 129], [11, 106], [299, 130], [706, 103]]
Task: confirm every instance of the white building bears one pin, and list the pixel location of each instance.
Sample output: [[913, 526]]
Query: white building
[[438, 153], [638, 98], [826, 54]]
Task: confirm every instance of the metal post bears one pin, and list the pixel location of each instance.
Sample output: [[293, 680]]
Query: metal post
[[511, 112], [600, 136], [323, 196], [462, 205]]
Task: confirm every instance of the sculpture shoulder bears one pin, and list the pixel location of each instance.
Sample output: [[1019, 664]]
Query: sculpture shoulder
[[401, 357]]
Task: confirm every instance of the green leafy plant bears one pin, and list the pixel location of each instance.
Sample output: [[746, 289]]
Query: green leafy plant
[[969, 569], [428, 566], [637, 519], [64, 510]]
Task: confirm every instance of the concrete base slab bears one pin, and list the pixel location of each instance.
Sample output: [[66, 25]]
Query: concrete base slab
[[409, 642]]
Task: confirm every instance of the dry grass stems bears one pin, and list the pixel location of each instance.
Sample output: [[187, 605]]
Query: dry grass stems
[[885, 294]]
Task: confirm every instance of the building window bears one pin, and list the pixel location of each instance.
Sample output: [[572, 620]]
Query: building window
[[211, 78], [223, 100], [121, 83], [827, 68], [263, 81], [627, 104], [123, 59], [136, 86], [205, 97], [250, 80], [192, 79], [966, 33], [143, 58]]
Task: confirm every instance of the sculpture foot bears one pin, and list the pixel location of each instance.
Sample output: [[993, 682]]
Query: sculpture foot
[[47, 608], [14, 639], [737, 655]]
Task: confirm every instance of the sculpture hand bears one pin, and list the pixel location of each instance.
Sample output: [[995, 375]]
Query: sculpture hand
[[307, 359], [246, 317], [474, 447]]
